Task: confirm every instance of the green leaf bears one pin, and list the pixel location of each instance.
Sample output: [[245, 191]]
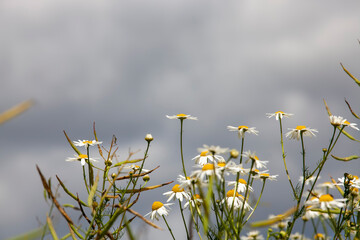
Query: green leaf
[[346, 159]]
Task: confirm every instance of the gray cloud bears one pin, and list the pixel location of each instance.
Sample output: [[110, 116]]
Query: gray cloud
[[125, 65]]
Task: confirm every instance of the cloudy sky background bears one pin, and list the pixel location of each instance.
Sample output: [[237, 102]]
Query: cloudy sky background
[[127, 64]]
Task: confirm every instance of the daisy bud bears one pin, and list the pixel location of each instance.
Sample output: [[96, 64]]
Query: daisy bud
[[349, 176], [324, 150], [113, 175], [283, 234], [234, 153], [146, 178], [149, 137], [108, 162]]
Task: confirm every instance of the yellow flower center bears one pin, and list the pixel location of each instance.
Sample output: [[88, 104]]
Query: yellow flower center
[[81, 156], [319, 236], [197, 196], [264, 175], [156, 205], [204, 153], [242, 181], [221, 164], [181, 115], [356, 177], [256, 158], [88, 142], [346, 122], [243, 127], [279, 112], [176, 188], [232, 193], [208, 166], [300, 128], [326, 198]]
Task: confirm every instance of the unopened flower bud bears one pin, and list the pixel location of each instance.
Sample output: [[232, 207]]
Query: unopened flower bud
[[283, 234], [149, 137], [324, 150], [349, 176], [113, 175], [234, 153], [146, 178], [108, 162]]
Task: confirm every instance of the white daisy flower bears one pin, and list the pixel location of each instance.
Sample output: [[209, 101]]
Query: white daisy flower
[[86, 143], [279, 115], [82, 158], [266, 176], [195, 200], [352, 125], [235, 200], [355, 182], [241, 185], [207, 170], [251, 156], [213, 149], [133, 168], [325, 202], [205, 156], [177, 192], [159, 209], [336, 120], [242, 130], [326, 185], [253, 235], [181, 116], [298, 236], [227, 167], [295, 132], [280, 224]]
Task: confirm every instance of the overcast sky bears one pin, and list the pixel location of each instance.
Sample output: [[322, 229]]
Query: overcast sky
[[127, 64]]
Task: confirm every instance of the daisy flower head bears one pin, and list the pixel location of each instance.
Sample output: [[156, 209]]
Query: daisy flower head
[[158, 209], [279, 115], [86, 143], [265, 176], [241, 185], [206, 157], [253, 235], [326, 185], [252, 157], [353, 181], [177, 192], [81, 157], [352, 125], [182, 116], [195, 200], [295, 133], [242, 130], [206, 171], [336, 120], [325, 202], [215, 150], [235, 200]]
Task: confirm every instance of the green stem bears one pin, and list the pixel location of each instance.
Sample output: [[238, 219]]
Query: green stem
[[168, 227], [284, 156], [183, 218], [181, 146], [261, 192]]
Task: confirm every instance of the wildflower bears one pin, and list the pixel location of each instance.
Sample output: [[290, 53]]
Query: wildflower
[[336, 120], [213, 149], [319, 236], [326, 185], [149, 137], [159, 209], [297, 236], [279, 115], [177, 192], [134, 168], [205, 156], [253, 235], [228, 167], [241, 185], [182, 116], [325, 202], [86, 143], [234, 153], [81, 157], [251, 156], [195, 200], [296, 132], [265, 176], [354, 182], [280, 224], [242, 129], [352, 125], [235, 200], [207, 170]]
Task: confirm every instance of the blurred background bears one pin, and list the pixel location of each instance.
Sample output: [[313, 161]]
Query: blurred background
[[127, 64]]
